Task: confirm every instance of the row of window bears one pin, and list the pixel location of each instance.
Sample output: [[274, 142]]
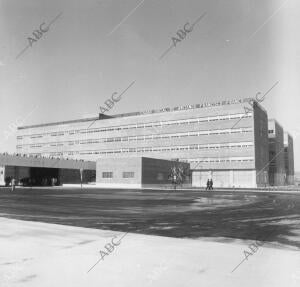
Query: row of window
[[177, 135], [188, 160], [171, 148], [125, 174], [145, 137], [144, 125], [164, 148], [223, 159]]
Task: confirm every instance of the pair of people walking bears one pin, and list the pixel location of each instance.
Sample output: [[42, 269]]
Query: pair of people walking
[[209, 184]]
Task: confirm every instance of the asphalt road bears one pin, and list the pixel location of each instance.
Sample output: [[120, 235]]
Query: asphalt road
[[227, 215]]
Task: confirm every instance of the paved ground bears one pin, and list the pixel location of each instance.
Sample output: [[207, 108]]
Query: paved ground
[[227, 215]]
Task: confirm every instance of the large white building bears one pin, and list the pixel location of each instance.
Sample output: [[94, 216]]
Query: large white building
[[221, 140]]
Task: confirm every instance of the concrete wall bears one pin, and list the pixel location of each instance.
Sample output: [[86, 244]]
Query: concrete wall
[[117, 167], [225, 178], [147, 172]]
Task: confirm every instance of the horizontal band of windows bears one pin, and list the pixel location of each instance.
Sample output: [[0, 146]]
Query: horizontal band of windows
[[178, 135], [159, 149], [184, 147], [147, 149], [222, 159], [150, 137], [217, 160], [146, 125]]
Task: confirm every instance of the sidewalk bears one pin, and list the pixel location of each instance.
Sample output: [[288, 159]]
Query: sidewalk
[[37, 254]]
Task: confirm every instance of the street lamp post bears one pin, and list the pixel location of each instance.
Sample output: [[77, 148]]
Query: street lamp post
[[81, 172]]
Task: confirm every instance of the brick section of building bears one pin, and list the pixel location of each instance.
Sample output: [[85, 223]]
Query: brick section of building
[[289, 158], [276, 154]]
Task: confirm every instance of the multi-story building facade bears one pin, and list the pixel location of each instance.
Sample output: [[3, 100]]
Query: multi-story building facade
[[277, 172], [289, 158], [223, 140]]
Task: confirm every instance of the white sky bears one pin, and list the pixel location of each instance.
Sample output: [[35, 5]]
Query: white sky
[[96, 48]]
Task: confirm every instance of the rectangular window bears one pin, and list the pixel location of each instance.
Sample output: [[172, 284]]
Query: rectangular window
[[128, 174], [107, 174]]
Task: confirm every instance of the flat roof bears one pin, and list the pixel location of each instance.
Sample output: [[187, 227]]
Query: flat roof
[[58, 123], [35, 161], [163, 110]]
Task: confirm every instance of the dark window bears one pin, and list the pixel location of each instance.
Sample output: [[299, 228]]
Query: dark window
[[107, 175], [128, 174]]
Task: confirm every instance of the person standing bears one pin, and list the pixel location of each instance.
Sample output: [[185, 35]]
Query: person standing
[[211, 184], [13, 184], [207, 184], [174, 181]]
